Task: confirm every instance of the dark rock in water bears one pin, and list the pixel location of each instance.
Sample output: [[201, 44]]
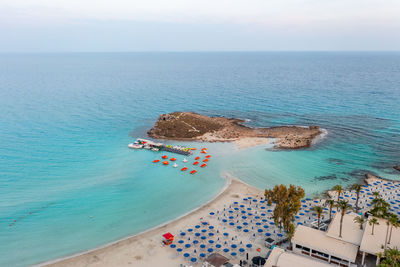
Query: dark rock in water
[[397, 167], [326, 177], [371, 175]]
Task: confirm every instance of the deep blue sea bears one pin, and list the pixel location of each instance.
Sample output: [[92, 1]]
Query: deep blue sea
[[68, 181]]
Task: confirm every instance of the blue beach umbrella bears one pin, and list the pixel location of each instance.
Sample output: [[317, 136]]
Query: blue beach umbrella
[[211, 234], [226, 234], [188, 246], [197, 234], [226, 250], [245, 223], [195, 242], [218, 246], [186, 255], [197, 226], [280, 235], [179, 249], [211, 241], [239, 227], [203, 237], [181, 241], [173, 246], [233, 254], [210, 250], [193, 259], [182, 233], [246, 230], [224, 220], [231, 223], [267, 234], [260, 230], [202, 246], [204, 230], [212, 213], [202, 255], [266, 226], [211, 227], [233, 246], [190, 230], [249, 245]]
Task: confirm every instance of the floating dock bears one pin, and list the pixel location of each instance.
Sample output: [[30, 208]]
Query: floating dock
[[148, 144]]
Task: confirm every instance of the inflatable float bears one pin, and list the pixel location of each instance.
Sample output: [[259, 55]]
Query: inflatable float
[[156, 160], [172, 159], [203, 165], [164, 157], [165, 162], [193, 172], [197, 158], [195, 163], [184, 169]]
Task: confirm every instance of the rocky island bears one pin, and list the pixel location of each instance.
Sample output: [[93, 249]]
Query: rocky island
[[191, 126]]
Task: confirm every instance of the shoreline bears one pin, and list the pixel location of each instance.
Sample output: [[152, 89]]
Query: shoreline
[[84, 257]]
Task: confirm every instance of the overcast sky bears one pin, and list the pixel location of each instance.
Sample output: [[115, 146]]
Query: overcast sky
[[203, 25]]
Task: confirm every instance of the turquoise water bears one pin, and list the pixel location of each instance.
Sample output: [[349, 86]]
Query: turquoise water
[[70, 183]]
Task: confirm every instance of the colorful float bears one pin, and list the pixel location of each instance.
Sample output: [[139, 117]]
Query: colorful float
[[165, 162], [184, 169], [193, 172], [164, 157], [195, 163], [156, 160], [203, 165]]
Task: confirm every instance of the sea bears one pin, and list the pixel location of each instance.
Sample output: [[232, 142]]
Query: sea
[[69, 183]]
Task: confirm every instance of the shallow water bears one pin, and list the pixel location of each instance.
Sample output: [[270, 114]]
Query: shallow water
[[70, 183]]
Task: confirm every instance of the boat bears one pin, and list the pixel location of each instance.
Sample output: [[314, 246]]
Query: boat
[[147, 147], [205, 160], [185, 160], [197, 158], [175, 165], [203, 165], [195, 163], [137, 146], [165, 157], [193, 172], [165, 162], [172, 159], [155, 149], [156, 160], [184, 169]]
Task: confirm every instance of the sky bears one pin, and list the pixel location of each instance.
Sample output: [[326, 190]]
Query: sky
[[199, 25]]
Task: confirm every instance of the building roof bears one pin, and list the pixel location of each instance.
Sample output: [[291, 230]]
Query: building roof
[[281, 258], [372, 244], [318, 240], [351, 231]]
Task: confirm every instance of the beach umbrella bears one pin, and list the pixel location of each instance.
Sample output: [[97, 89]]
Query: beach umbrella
[[211, 227], [186, 255], [190, 230], [195, 242], [233, 246], [212, 213], [267, 234], [197, 226], [211, 241], [231, 217], [241, 250], [204, 223], [187, 245], [197, 234], [279, 235], [242, 206], [202, 255], [179, 249], [202, 246], [182, 233], [231, 223], [203, 237], [211, 234], [193, 259], [258, 223], [233, 254], [271, 223], [204, 230], [226, 234], [239, 227], [235, 203], [210, 250], [173, 246], [249, 245], [218, 245], [260, 230], [246, 230], [181, 241], [244, 217], [245, 223], [224, 220], [266, 226], [226, 250], [243, 212]]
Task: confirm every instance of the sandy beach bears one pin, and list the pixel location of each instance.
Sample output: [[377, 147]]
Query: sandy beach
[[146, 249], [247, 142]]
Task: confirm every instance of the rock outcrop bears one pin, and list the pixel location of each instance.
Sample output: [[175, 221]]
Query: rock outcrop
[[193, 126]]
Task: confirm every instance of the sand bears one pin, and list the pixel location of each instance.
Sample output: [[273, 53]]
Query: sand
[[146, 249], [247, 142]]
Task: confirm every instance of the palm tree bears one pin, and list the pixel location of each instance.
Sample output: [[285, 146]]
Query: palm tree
[[391, 258], [380, 208], [394, 222], [373, 222], [330, 203], [357, 188], [360, 220], [376, 194], [344, 206], [338, 188], [318, 210]]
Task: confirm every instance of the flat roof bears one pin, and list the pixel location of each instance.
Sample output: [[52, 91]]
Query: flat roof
[[351, 231], [372, 244], [281, 258], [318, 240]]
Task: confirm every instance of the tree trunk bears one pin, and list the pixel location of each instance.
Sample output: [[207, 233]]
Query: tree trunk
[[373, 225], [358, 195], [341, 224], [319, 220], [390, 235]]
